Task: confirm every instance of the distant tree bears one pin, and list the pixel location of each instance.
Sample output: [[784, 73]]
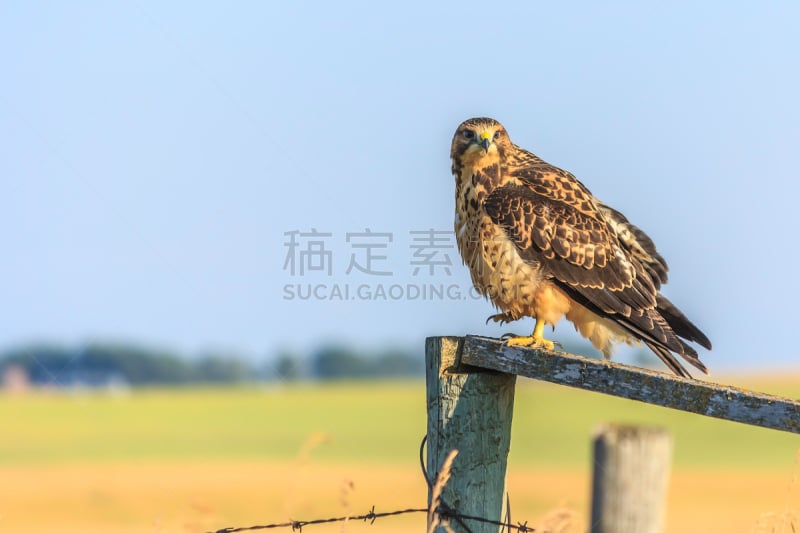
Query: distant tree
[[289, 367], [140, 366], [221, 368], [396, 363], [42, 363], [99, 363], [336, 362]]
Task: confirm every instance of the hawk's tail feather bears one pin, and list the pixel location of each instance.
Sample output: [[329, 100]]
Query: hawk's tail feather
[[690, 354], [681, 325], [667, 354], [667, 348], [653, 328], [668, 359]]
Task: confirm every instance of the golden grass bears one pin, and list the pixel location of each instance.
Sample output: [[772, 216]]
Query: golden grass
[[165, 497]]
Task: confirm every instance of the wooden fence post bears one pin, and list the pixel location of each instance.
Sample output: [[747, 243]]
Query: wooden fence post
[[470, 410], [629, 482]]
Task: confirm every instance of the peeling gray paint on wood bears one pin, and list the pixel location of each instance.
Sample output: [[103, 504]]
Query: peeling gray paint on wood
[[470, 411], [649, 386]]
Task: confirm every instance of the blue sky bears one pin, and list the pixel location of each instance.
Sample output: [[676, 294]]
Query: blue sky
[[154, 155]]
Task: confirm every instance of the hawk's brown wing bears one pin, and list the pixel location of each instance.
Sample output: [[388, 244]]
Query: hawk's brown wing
[[641, 246], [555, 222], [637, 243]]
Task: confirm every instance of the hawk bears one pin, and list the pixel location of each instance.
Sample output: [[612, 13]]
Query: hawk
[[539, 244]]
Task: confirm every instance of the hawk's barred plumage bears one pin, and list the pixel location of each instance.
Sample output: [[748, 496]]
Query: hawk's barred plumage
[[539, 244]]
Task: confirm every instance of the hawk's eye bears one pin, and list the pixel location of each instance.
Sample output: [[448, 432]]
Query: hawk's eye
[[469, 134], [497, 134]]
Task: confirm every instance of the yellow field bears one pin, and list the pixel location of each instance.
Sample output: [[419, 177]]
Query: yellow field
[[206, 496], [204, 459]]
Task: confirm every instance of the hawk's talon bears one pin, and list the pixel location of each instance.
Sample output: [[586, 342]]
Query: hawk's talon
[[503, 318], [536, 339], [529, 342]]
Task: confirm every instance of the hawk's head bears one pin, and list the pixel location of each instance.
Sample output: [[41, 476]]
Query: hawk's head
[[479, 142]]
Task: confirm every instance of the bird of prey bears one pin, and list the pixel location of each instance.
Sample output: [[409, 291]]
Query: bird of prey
[[539, 244]]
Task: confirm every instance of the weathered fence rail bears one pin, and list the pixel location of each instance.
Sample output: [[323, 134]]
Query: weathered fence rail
[[470, 383], [657, 388]]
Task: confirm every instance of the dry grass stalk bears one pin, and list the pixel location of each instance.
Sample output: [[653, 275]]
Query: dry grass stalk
[[434, 519], [560, 520], [294, 500], [347, 488]]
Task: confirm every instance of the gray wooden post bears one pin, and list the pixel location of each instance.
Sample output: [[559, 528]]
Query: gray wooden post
[[629, 483], [469, 409]]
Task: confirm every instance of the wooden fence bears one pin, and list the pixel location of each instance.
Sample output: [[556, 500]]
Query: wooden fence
[[470, 397]]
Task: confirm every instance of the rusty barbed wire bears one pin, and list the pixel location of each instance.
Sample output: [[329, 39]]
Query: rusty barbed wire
[[442, 510]]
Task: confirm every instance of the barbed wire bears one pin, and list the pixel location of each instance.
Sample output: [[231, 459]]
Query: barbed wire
[[443, 510], [298, 525], [371, 516]]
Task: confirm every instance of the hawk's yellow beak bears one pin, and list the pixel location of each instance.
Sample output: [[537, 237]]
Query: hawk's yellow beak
[[486, 140]]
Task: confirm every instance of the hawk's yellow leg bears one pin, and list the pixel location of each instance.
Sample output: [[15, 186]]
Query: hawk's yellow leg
[[536, 340]]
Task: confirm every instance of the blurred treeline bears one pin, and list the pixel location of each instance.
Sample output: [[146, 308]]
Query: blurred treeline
[[110, 364]]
